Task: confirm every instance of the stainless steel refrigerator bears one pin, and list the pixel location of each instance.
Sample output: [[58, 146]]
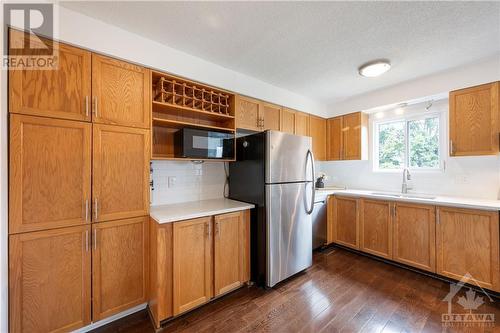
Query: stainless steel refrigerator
[[275, 171]]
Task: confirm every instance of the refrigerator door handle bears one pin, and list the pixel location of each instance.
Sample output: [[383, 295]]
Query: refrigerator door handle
[[311, 156]]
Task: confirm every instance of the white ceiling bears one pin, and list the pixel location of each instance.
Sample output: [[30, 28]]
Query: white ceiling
[[314, 48]]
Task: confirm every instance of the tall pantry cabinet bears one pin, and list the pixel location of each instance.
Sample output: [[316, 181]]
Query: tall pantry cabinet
[[78, 190]]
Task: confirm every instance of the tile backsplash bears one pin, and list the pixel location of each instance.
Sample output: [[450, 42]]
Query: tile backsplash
[[179, 181]]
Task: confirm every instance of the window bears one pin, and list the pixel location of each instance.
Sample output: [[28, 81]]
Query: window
[[408, 143]]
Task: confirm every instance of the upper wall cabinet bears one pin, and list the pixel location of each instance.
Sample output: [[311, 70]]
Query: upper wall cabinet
[[317, 131], [301, 123], [248, 113], [287, 121], [49, 179], [62, 93], [347, 137], [120, 93], [474, 120], [271, 114]]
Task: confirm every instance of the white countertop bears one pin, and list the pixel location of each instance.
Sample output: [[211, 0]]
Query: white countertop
[[460, 202], [194, 209]]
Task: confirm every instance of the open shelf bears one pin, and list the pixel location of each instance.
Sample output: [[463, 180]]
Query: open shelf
[[182, 124], [166, 158]]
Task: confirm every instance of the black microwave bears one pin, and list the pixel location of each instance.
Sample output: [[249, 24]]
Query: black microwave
[[198, 143]]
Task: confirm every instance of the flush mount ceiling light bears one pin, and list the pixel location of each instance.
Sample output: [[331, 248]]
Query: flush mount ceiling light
[[374, 68]]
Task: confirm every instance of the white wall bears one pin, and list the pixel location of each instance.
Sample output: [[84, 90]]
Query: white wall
[[477, 177], [193, 181], [484, 71]]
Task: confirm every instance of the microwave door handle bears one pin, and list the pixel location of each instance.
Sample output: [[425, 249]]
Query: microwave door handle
[[310, 155]]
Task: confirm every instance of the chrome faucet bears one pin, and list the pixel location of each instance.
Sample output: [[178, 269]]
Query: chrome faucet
[[406, 178]]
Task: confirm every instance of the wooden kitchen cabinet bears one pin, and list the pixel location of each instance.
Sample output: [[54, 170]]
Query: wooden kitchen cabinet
[[120, 187], [375, 221], [287, 121], [301, 124], [120, 265], [50, 173], [231, 244], [192, 264], [49, 274], [334, 139], [355, 136], [317, 131], [474, 120], [121, 93], [271, 114], [467, 242], [414, 235], [345, 221], [248, 113], [63, 93]]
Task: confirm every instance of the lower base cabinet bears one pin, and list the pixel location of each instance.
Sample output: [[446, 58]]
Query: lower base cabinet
[[468, 246], [415, 235], [193, 261], [454, 242], [57, 276], [49, 273], [120, 265]]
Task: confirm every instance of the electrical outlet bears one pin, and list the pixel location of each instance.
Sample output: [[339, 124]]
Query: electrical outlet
[[171, 181]]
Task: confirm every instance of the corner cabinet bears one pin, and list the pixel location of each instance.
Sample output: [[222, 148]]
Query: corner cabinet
[[317, 131], [474, 120], [467, 243], [334, 139]]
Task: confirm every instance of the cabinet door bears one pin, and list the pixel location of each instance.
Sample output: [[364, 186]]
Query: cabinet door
[[474, 120], [467, 242], [346, 221], [301, 124], [271, 114], [49, 276], [376, 227], [120, 93], [334, 139], [414, 236], [247, 113], [354, 136], [60, 93], [120, 187], [192, 263], [229, 252], [49, 179], [317, 131], [287, 121], [119, 266]]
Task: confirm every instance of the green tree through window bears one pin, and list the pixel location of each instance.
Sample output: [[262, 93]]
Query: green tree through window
[[408, 143]]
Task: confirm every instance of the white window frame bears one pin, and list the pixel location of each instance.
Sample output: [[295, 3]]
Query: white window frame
[[407, 118]]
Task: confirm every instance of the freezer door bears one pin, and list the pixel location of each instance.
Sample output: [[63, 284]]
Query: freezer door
[[286, 158], [288, 229]]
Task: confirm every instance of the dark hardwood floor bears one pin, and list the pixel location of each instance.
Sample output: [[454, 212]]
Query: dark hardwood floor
[[341, 292]]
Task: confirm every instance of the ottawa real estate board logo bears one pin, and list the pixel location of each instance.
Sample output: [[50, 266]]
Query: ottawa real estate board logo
[[28, 31], [465, 306]]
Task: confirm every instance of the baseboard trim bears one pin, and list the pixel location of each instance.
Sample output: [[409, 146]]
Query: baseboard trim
[[112, 318]]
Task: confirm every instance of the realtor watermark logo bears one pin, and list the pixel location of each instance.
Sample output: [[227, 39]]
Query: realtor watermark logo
[[29, 50], [464, 306]]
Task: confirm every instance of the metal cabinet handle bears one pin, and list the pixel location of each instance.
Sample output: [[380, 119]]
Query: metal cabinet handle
[[95, 106], [86, 106], [95, 238], [217, 229], [86, 210], [209, 231], [451, 148], [86, 241], [438, 220], [96, 208]]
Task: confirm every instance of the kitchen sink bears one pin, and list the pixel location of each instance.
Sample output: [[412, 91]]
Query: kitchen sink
[[401, 195]]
